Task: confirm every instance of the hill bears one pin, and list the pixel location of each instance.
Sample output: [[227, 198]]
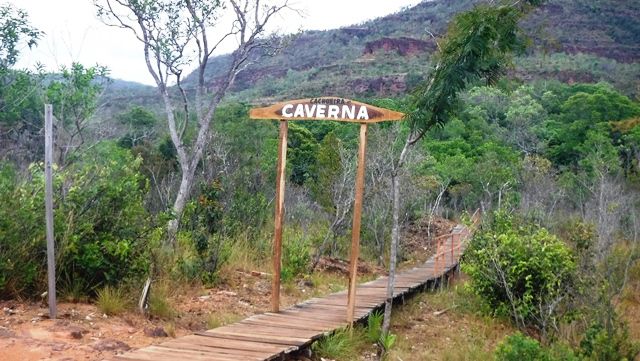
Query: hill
[[572, 40]]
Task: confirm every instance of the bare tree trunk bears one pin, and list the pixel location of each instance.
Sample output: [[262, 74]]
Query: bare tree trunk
[[181, 200], [395, 234]]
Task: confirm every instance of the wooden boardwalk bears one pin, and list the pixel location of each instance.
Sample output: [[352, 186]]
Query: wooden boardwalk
[[269, 336]]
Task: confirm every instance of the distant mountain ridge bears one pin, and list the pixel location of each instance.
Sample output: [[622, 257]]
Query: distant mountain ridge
[[572, 40]]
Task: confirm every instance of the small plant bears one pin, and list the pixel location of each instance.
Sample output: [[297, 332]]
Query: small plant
[[111, 301], [519, 347], [343, 344], [599, 343], [218, 319], [74, 291], [295, 260], [387, 341], [170, 329], [159, 304], [374, 327]]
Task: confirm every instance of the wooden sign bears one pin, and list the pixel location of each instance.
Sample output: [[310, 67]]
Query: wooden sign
[[326, 108]]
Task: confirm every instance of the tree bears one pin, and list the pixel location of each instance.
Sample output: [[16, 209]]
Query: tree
[[333, 188], [15, 30], [169, 31], [139, 123], [478, 46], [20, 98], [74, 96]]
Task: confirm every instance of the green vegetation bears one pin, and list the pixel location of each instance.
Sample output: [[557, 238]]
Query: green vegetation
[[342, 344], [111, 301], [522, 272], [160, 304]]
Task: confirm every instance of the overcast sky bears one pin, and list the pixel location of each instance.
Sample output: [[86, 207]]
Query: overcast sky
[[73, 32]]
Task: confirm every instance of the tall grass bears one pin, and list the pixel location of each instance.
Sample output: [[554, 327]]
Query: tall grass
[[343, 344], [111, 301]]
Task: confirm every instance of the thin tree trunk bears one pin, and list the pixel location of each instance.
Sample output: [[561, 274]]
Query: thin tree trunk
[[181, 200], [395, 235]]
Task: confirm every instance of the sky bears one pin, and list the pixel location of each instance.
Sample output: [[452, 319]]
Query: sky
[[73, 33]]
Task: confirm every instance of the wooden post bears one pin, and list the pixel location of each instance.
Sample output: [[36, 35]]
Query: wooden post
[[279, 216], [355, 229], [48, 205], [454, 239]]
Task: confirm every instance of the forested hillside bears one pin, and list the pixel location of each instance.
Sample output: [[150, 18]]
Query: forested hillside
[[546, 147], [387, 56], [572, 41]]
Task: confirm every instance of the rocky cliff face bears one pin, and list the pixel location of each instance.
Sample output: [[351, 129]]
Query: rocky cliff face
[[403, 46]]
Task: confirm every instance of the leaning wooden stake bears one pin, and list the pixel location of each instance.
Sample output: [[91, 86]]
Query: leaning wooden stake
[[355, 230], [48, 205], [279, 216]]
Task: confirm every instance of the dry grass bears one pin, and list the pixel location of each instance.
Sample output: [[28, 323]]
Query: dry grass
[[160, 302], [243, 256], [111, 301], [218, 319], [458, 334]]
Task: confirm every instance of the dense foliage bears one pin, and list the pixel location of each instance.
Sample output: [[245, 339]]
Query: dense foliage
[[100, 224], [521, 271]]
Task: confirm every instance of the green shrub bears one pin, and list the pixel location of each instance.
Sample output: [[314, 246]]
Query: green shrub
[[111, 301], [387, 341], [22, 242], [521, 271], [602, 344], [296, 256], [343, 344], [374, 327], [102, 220], [99, 219], [518, 347]]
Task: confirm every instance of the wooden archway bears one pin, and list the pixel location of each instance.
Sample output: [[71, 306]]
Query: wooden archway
[[321, 109]]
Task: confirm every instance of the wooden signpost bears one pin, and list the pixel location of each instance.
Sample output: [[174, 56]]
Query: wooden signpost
[[323, 108]]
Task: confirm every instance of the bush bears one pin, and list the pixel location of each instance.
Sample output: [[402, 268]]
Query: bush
[[296, 256], [99, 219], [343, 344], [22, 242], [519, 347], [374, 327], [102, 220], [602, 344], [521, 271], [159, 304]]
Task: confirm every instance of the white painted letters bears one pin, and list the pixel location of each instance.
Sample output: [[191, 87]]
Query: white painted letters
[[363, 113], [320, 111], [333, 112], [325, 111], [286, 111], [349, 111], [310, 110]]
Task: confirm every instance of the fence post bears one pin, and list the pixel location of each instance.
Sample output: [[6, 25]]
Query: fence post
[[48, 205]]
